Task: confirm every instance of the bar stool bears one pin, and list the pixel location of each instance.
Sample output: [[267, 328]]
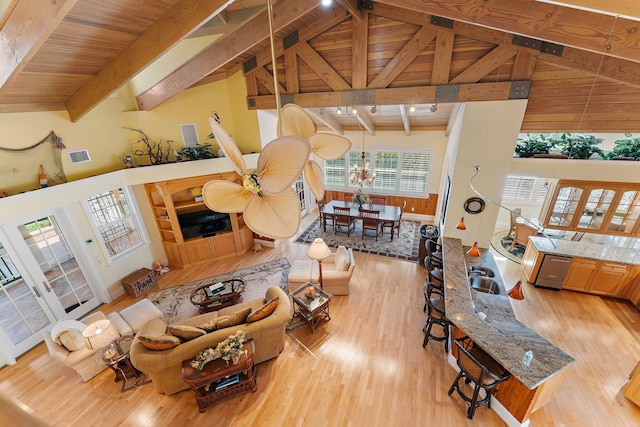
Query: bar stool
[[476, 367], [435, 316], [434, 250]]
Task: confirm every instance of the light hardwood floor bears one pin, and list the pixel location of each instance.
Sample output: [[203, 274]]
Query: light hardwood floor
[[365, 367]]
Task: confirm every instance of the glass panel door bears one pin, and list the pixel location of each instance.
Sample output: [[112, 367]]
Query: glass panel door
[[595, 210], [627, 212], [299, 186], [565, 206]]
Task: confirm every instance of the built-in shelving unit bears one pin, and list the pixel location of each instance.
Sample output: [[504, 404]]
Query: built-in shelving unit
[[168, 199]]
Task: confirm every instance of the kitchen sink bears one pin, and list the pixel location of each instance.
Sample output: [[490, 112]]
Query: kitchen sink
[[484, 284], [478, 270]]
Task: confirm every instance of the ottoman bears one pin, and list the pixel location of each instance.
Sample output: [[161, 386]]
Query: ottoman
[[140, 313], [301, 273]]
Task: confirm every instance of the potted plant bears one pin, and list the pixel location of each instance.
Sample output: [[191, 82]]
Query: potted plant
[[580, 146], [196, 152], [625, 149], [533, 144], [360, 197]]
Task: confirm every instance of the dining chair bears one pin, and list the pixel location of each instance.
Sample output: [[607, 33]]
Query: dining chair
[[515, 213], [389, 225], [325, 218], [342, 218], [377, 200], [370, 221]]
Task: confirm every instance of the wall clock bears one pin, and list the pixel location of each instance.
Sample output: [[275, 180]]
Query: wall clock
[[474, 205]]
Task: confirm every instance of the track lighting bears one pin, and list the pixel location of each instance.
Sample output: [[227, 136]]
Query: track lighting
[[354, 110], [374, 110], [339, 110], [412, 108], [321, 110], [433, 108]]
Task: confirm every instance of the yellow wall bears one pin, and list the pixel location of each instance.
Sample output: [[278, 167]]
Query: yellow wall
[[102, 132]]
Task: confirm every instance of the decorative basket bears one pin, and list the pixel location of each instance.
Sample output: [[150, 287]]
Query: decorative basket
[[139, 282]]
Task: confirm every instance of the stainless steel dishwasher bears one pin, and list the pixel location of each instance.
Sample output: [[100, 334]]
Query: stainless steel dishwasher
[[553, 271]]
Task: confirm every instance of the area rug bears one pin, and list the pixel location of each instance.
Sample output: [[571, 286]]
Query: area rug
[[404, 246], [501, 243], [176, 305]]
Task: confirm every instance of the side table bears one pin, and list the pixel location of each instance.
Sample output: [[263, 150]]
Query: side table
[[313, 308], [217, 380], [116, 356]]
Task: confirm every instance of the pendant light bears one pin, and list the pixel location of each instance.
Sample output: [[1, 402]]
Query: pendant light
[[461, 225], [516, 292]]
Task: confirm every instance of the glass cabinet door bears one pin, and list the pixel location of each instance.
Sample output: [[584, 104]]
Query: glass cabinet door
[[564, 207], [596, 208], [626, 213]]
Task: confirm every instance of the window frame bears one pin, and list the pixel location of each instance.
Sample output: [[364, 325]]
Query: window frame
[[539, 184], [135, 217], [372, 154]]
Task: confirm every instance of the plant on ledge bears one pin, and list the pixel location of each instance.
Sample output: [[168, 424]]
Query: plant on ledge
[[157, 152], [228, 349], [533, 144], [360, 197], [196, 152], [626, 149]]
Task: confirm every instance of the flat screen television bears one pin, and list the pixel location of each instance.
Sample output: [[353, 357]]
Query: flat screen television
[[205, 223]]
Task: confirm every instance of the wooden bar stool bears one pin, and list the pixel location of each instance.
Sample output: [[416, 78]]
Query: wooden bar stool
[[435, 316], [476, 367]]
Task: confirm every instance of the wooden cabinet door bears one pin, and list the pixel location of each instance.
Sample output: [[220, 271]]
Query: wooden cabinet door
[[631, 286], [580, 274], [199, 250], [608, 278]]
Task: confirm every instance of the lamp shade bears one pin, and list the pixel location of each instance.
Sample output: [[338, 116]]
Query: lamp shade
[[461, 225], [318, 249], [516, 292], [474, 251], [99, 334]]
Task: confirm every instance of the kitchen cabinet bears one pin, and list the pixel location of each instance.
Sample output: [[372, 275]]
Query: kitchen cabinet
[[169, 199], [631, 286], [596, 277], [594, 207]]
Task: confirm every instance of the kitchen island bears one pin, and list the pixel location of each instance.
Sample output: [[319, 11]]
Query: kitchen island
[[490, 322]]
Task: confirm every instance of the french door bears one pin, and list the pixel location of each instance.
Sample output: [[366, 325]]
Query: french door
[[42, 280]]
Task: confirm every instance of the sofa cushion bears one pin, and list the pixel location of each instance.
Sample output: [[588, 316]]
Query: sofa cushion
[[237, 318], [341, 259], [212, 324], [159, 341], [66, 325], [184, 332], [72, 339], [263, 311]]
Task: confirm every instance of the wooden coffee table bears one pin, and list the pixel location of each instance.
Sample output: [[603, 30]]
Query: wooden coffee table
[[206, 302], [312, 309]]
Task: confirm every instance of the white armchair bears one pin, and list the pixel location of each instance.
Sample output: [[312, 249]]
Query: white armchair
[[336, 272]]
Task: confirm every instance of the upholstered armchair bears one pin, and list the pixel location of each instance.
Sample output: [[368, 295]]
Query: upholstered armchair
[[337, 270]]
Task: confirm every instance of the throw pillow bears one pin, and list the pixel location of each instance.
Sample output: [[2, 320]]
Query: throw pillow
[[263, 311], [237, 318], [72, 339], [159, 341], [212, 324], [66, 325], [341, 259], [184, 332]]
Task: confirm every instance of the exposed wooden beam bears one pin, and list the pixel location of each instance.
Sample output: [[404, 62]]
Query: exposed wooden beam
[[330, 122], [351, 6], [31, 107], [224, 50], [442, 58], [523, 66], [291, 71], [611, 7], [486, 64], [365, 120], [234, 19], [175, 24], [392, 96], [321, 67], [613, 36], [405, 119], [27, 28], [359, 57], [266, 79], [407, 54], [328, 18]]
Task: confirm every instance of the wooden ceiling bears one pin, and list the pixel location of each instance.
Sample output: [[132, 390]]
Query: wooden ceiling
[[579, 69]]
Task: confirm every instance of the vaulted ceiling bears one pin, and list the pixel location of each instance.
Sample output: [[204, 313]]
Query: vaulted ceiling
[[579, 69]]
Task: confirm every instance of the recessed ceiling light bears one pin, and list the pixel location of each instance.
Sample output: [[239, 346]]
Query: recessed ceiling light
[[326, 3], [412, 108], [354, 110], [338, 110]]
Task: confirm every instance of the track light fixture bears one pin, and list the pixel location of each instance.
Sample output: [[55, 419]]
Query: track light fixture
[[412, 108], [354, 110], [339, 110], [433, 108], [374, 109]]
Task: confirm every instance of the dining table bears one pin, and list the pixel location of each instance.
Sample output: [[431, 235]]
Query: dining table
[[387, 213]]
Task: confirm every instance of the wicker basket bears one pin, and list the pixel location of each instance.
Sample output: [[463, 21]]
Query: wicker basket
[[139, 282]]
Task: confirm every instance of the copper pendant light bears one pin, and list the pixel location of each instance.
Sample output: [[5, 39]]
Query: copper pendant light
[[474, 251], [516, 292], [461, 225]]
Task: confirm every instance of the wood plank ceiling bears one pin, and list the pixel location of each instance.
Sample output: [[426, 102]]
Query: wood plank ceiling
[[580, 70]]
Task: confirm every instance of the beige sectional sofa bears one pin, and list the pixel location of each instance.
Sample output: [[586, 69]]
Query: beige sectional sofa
[[164, 366]]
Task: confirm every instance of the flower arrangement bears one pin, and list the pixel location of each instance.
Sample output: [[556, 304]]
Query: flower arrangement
[[360, 197], [228, 349]]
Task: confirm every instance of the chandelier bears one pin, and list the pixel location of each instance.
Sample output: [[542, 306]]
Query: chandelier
[[362, 175]]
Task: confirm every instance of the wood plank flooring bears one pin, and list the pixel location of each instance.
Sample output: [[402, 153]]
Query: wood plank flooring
[[364, 367]]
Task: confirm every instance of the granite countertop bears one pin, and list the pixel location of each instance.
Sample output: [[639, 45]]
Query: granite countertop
[[595, 251], [499, 333]]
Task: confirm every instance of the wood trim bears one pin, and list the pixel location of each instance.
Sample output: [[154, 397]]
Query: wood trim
[[224, 50]]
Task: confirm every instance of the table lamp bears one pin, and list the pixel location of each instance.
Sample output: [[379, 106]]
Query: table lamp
[[319, 251], [99, 334]]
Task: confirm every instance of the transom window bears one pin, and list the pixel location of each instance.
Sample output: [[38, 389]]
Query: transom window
[[397, 171], [116, 221]]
